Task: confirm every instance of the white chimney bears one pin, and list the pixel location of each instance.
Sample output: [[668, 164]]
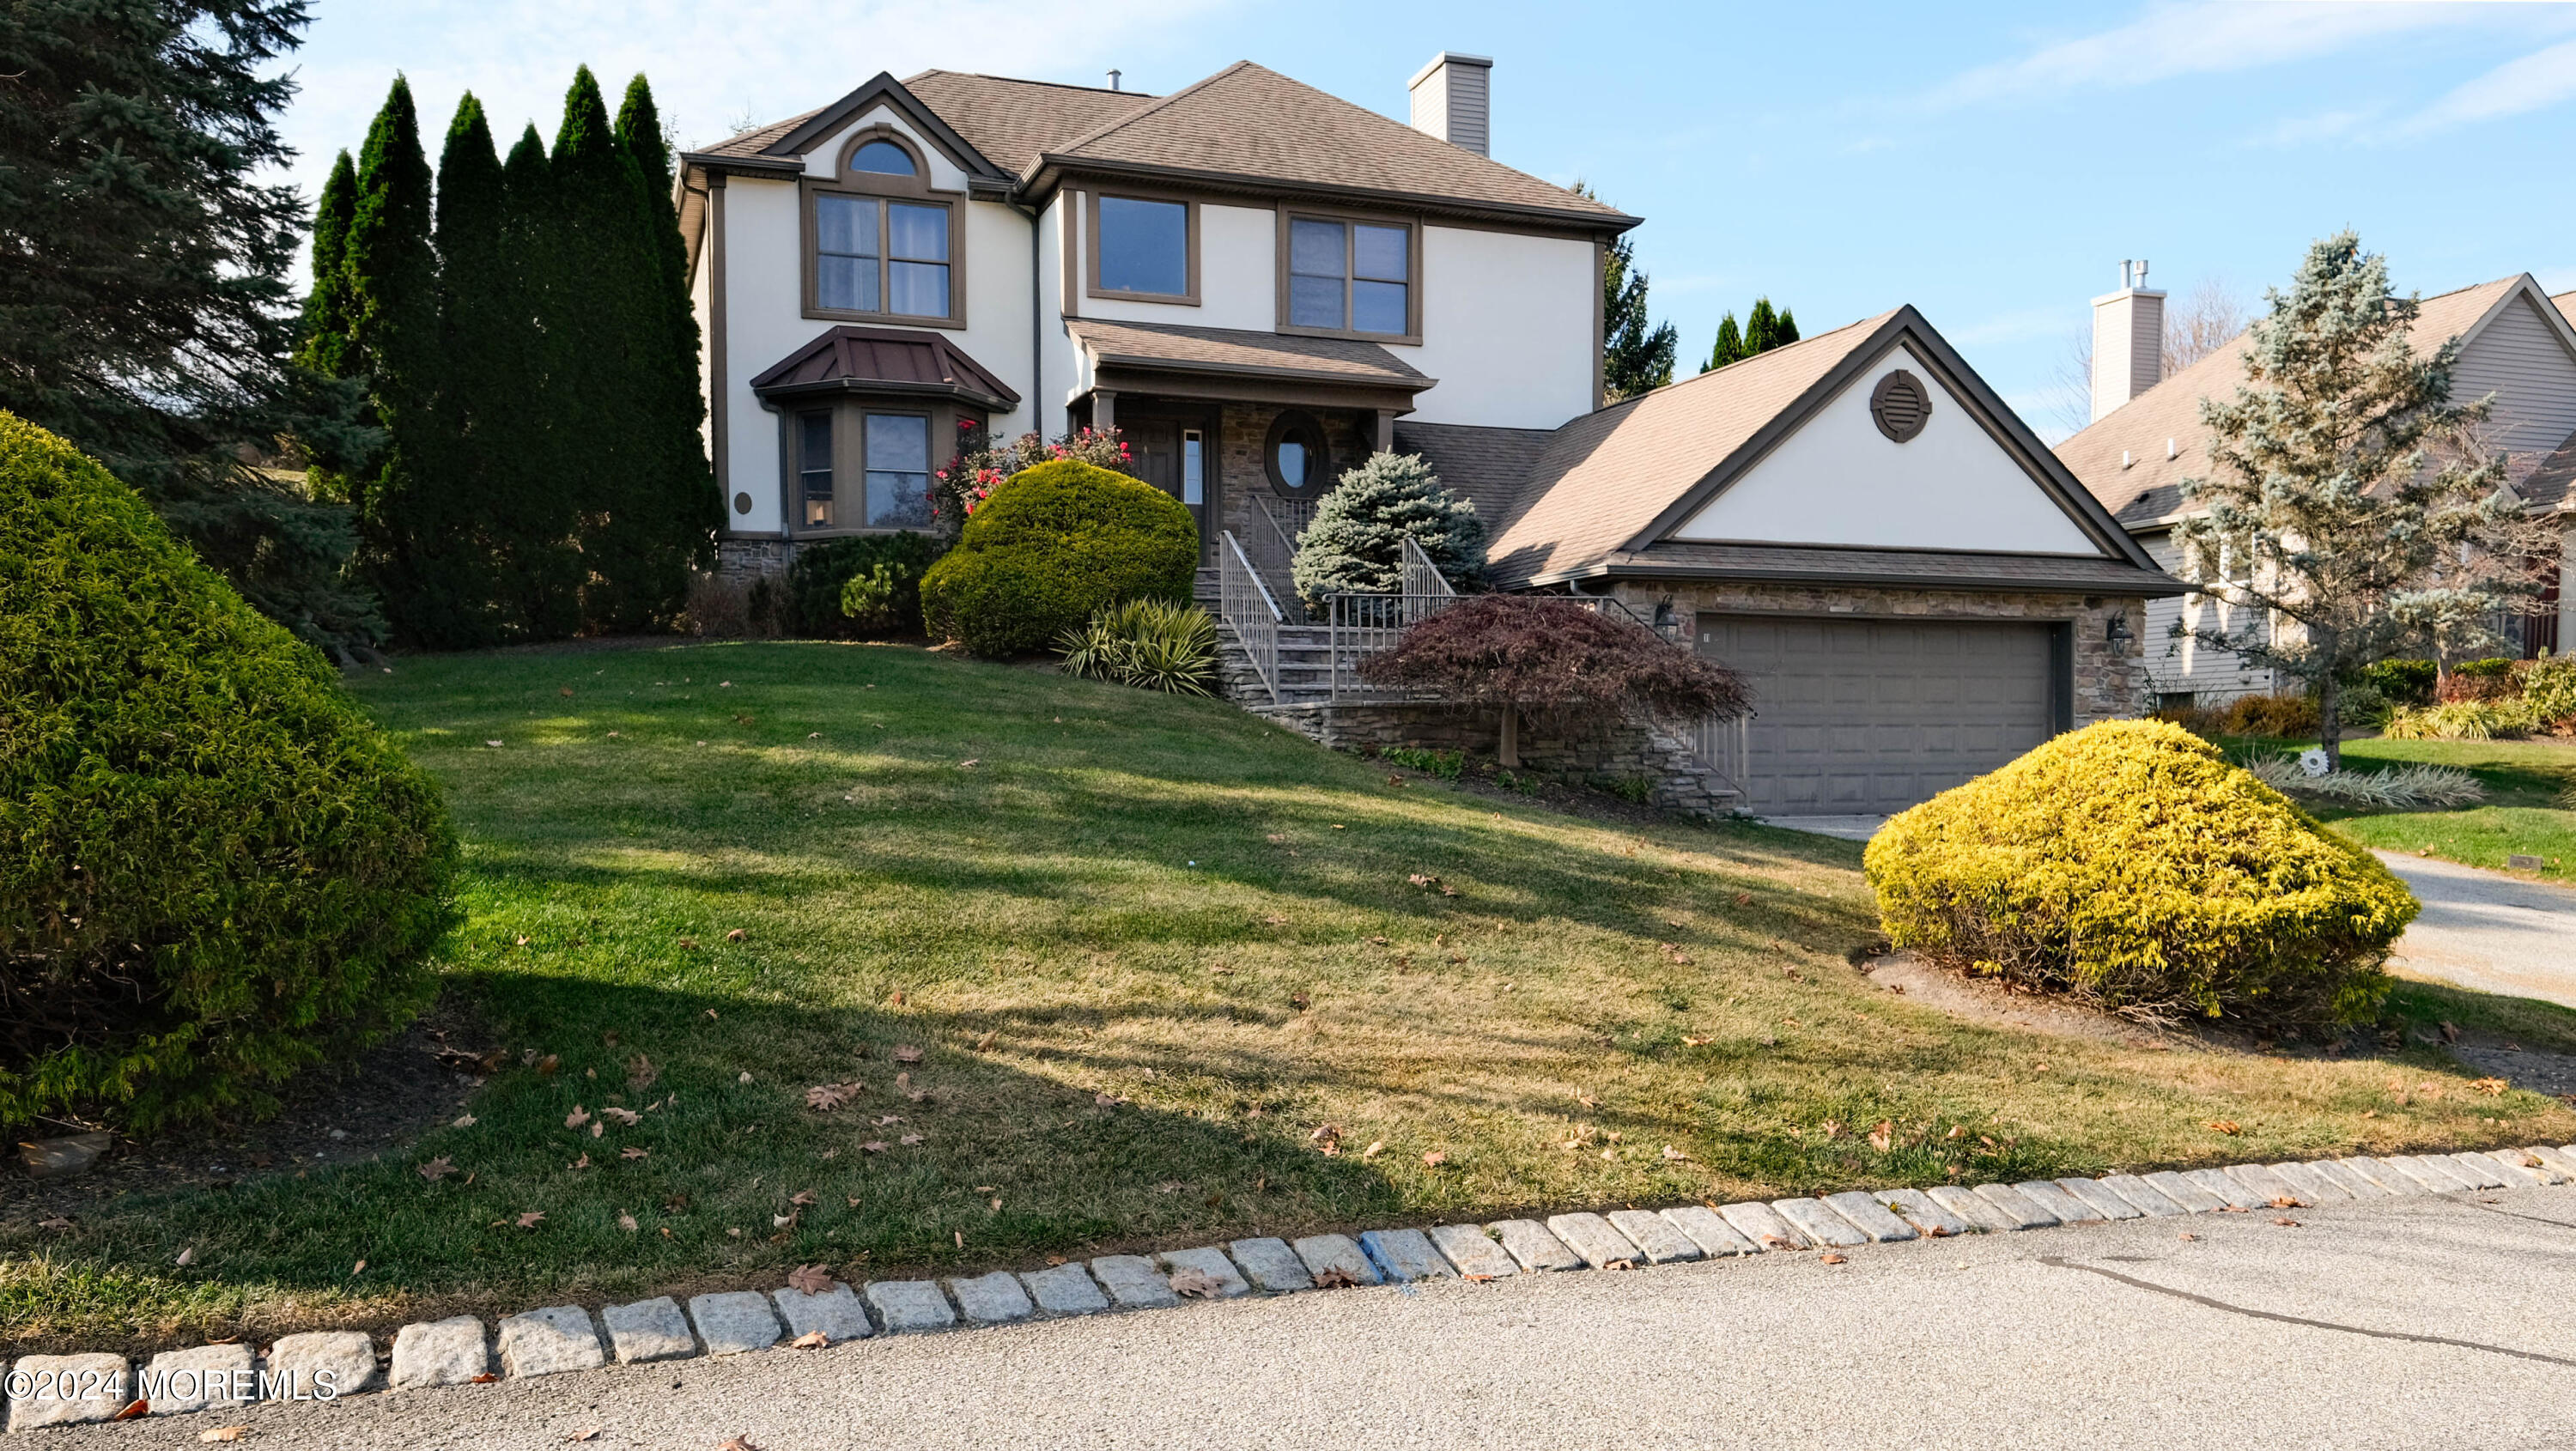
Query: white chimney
[[2128, 340], [1452, 99]]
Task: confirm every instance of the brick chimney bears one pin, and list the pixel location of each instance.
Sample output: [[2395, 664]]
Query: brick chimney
[[2128, 340], [1453, 100]]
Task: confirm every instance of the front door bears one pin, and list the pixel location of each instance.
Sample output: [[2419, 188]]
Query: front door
[[1173, 455]]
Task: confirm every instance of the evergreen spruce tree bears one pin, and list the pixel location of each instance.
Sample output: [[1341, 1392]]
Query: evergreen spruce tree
[[409, 529], [613, 331], [539, 521], [1785, 331], [2345, 486], [324, 348], [1355, 544], [1636, 355], [691, 510], [1730, 345], [1761, 328]]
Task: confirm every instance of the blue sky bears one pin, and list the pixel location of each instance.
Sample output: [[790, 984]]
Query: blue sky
[[1990, 164]]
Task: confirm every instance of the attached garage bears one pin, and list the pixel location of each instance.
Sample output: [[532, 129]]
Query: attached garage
[[1866, 716]]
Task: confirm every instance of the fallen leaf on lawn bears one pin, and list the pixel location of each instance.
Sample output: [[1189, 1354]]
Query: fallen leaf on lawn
[[811, 1279], [1744, 899], [626, 1222], [597, 1129], [577, 1117], [1882, 1136], [906, 1053], [57, 1222], [2187, 1234], [1375, 1148], [688, 944], [801, 1196], [547, 1065], [496, 745], [622, 1117], [187, 1256], [811, 1340], [970, 763], [465, 1122], [908, 1140], [590, 1435], [829, 1154], [1955, 1131], [1195, 1285], [1275, 920], [437, 1169], [873, 1146], [2224, 1126], [711, 1012], [888, 1118], [1835, 1129], [1695, 1042], [224, 1433], [733, 1233], [781, 1221], [1336, 1279], [985, 1043], [1435, 1159], [2489, 1086], [1299, 1001], [736, 935], [1674, 1156], [529, 1219], [825, 1097], [640, 1073], [1830, 1258], [582, 1163], [2285, 1221]]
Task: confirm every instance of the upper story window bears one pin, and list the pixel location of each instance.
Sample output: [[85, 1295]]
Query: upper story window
[[1352, 277], [879, 243], [1144, 247]]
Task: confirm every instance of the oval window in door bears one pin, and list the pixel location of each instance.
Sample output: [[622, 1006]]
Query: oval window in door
[[1296, 459]]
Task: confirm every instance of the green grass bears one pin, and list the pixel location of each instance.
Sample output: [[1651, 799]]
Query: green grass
[[2526, 783], [1147, 947]]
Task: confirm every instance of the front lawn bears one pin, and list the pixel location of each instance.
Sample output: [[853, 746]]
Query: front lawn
[[1097, 967], [2526, 782]]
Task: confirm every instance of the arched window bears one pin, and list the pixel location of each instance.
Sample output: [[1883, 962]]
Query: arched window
[[879, 240], [883, 157]]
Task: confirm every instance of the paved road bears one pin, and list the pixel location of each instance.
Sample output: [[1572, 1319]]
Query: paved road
[[2489, 931], [2401, 1323]]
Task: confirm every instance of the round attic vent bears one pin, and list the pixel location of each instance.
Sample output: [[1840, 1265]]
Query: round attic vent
[[1900, 405]]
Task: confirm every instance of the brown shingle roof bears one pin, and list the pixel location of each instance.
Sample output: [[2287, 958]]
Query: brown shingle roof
[[1607, 475], [2553, 483], [1012, 121], [2150, 487], [1485, 466], [758, 138], [875, 359], [1252, 122], [1181, 348]]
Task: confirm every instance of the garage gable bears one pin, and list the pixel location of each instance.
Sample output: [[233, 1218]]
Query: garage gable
[[1897, 458]]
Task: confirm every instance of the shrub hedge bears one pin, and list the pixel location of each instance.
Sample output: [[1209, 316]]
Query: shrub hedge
[[214, 870], [886, 570], [1051, 546], [2129, 866]]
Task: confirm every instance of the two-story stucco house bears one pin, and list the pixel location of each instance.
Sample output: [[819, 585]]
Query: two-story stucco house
[[1259, 285], [1250, 279]]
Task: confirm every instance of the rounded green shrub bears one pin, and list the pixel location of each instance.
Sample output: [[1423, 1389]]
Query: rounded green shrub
[[863, 587], [2130, 867], [1049, 548], [214, 870]]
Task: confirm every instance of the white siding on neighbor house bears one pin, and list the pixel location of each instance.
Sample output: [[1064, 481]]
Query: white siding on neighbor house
[[1507, 328], [1839, 480], [2212, 676], [2567, 588], [2520, 358]]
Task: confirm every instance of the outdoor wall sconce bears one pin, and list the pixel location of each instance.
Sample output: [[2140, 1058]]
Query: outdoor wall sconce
[[2118, 630]]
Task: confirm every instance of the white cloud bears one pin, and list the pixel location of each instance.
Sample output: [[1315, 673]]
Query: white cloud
[[2308, 130], [2205, 38], [2535, 82]]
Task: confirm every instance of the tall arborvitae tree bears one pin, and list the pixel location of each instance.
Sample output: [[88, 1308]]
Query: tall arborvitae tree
[[692, 510], [611, 323], [1761, 328], [2344, 485], [409, 524], [1730, 345], [325, 348], [1636, 355], [145, 312], [541, 517], [1784, 331], [476, 335]]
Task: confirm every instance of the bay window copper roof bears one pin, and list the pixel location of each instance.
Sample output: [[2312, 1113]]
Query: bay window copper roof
[[878, 360]]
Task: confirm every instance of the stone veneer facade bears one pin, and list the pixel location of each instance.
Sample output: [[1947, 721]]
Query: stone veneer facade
[[2110, 677]]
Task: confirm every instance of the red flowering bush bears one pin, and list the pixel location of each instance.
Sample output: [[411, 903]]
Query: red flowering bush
[[982, 462]]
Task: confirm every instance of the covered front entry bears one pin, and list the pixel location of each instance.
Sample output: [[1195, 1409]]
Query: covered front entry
[[1867, 716]]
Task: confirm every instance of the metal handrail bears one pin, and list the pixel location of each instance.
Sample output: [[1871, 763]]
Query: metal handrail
[[1246, 606], [1286, 546]]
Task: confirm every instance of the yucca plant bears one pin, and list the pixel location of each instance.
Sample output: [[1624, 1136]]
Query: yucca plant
[[1150, 644]]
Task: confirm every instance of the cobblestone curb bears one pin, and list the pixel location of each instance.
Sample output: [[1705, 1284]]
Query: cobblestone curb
[[50, 1390]]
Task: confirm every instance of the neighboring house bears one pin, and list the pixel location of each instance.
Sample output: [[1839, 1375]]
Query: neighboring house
[[1259, 284], [1250, 279], [2516, 342]]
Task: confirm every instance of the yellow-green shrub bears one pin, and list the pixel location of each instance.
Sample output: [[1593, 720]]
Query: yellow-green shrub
[[2130, 867]]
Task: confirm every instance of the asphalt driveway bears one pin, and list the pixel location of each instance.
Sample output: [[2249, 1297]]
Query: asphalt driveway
[[2489, 931]]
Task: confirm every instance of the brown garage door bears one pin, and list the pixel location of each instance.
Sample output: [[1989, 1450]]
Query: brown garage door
[[1859, 716]]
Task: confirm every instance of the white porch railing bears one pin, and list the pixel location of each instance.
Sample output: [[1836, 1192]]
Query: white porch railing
[[1245, 605]]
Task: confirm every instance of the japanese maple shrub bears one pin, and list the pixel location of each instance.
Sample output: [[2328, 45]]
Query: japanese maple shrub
[[2130, 867], [214, 870], [1048, 548], [1557, 662]]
